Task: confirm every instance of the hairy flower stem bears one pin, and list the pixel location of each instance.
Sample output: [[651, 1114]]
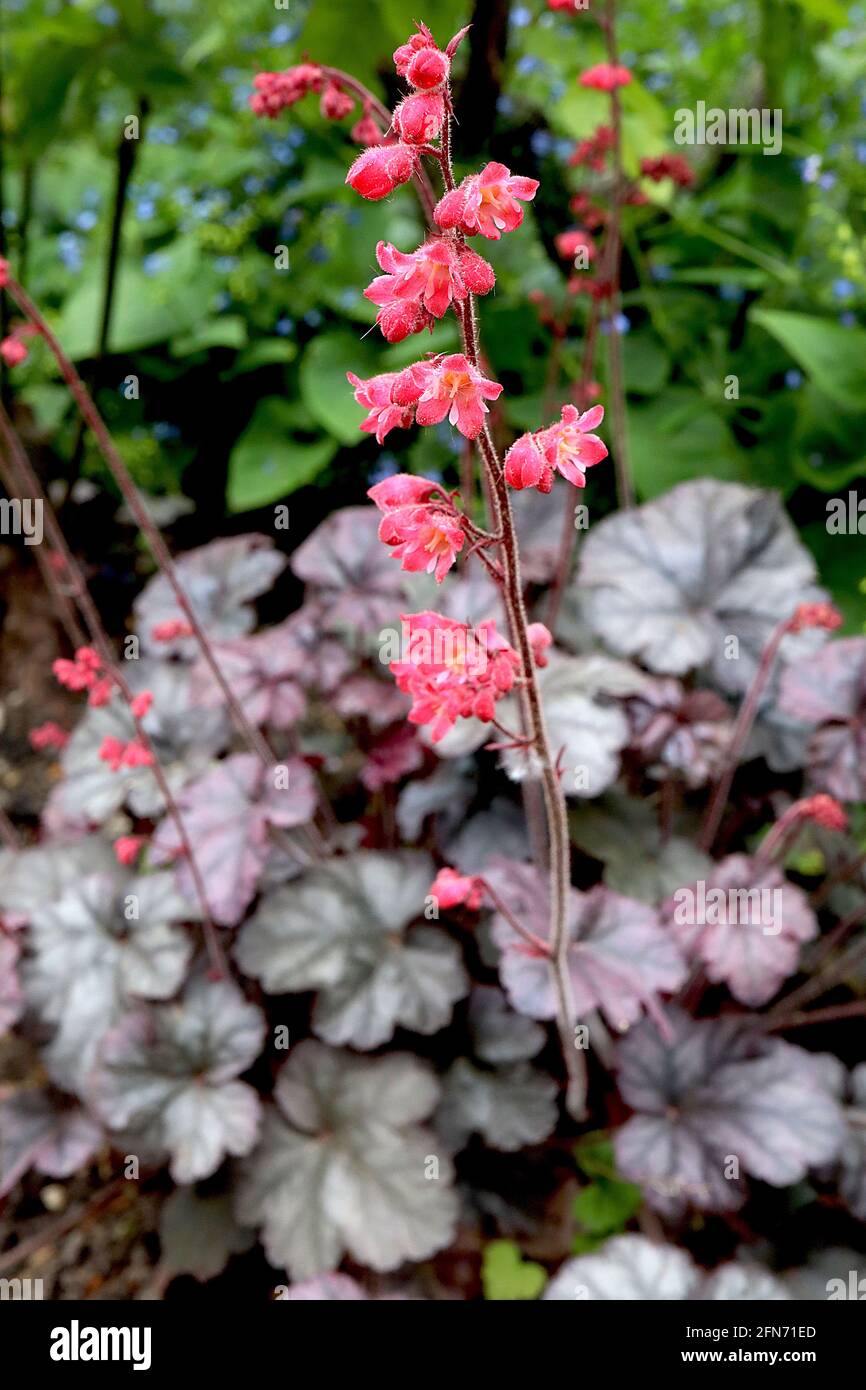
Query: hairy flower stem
[[119, 471], [533, 717], [364, 95], [624, 490], [27, 484], [742, 729]]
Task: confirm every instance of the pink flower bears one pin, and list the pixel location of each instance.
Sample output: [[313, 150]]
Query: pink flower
[[569, 243], [420, 286], [79, 674], [128, 847], [593, 150], [378, 171], [336, 105], [112, 751], [815, 615], [48, 735], [119, 754], [573, 5], [421, 61], [426, 536], [4, 272], [487, 203], [378, 397], [420, 117], [540, 638], [13, 351], [450, 386], [101, 692], [567, 447], [451, 889], [605, 77], [668, 166], [824, 810], [274, 91], [452, 671], [170, 630], [366, 131], [141, 704]]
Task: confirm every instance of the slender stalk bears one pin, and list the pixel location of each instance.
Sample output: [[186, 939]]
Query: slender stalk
[[625, 491], [351, 84], [533, 717], [742, 729], [856, 1009], [832, 972], [29, 483], [543, 947], [152, 534]]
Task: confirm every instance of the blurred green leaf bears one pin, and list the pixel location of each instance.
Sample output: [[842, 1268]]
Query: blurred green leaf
[[268, 461], [506, 1276], [834, 356]]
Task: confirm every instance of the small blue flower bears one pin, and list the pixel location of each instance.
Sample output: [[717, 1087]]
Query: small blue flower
[[793, 378], [733, 294], [284, 326], [313, 318], [827, 180], [843, 288], [86, 221], [521, 17], [848, 319], [385, 468]]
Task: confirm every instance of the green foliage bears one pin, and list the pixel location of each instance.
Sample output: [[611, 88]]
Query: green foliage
[[506, 1276], [606, 1204]]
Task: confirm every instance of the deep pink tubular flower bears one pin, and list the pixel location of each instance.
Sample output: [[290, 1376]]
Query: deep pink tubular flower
[[452, 889], [101, 692], [668, 166], [420, 286], [569, 243], [80, 674], [379, 395], [815, 615], [119, 754], [170, 630], [824, 810], [48, 735], [378, 171], [128, 847], [568, 447], [420, 117], [421, 61], [605, 77], [366, 131], [13, 350], [451, 387], [426, 535], [487, 203], [140, 704], [540, 638], [336, 104], [274, 91], [4, 272]]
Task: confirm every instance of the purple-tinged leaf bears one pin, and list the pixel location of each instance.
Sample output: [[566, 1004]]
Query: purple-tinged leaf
[[219, 580], [263, 673], [714, 1103], [829, 691], [226, 814], [351, 572], [745, 922], [499, 1035], [11, 997], [619, 958], [44, 1131]]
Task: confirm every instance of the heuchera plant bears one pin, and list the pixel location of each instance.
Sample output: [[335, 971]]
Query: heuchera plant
[[247, 816]]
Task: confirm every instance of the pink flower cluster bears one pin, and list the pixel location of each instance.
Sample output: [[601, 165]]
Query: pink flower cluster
[[119, 754], [274, 91], [428, 392], [84, 673], [421, 286], [426, 534], [569, 447], [452, 889], [815, 615], [669, 166], [487, 203], [605, 77], [48, 735], [127, 849], [169, 631], [453, 671]]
